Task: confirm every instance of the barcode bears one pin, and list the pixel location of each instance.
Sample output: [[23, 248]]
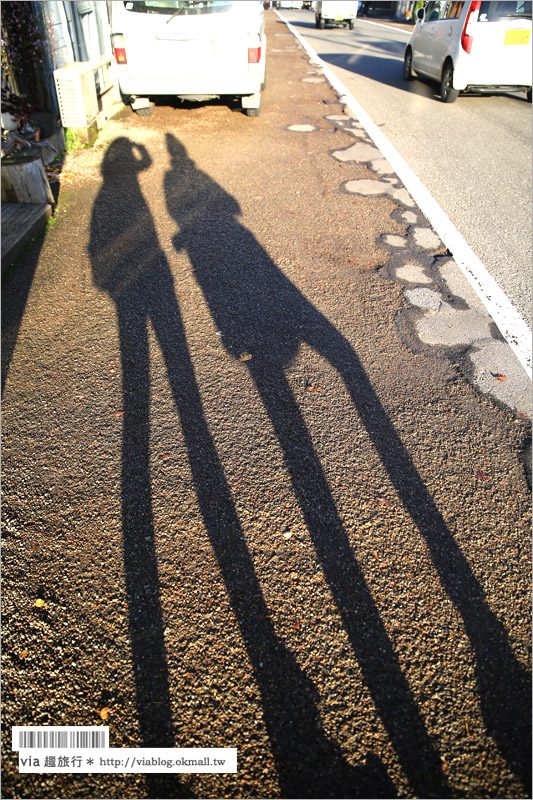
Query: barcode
[[48, 738]]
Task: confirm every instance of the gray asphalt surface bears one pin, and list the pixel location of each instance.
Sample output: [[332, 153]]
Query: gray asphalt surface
[[259, 514], [474, 155]]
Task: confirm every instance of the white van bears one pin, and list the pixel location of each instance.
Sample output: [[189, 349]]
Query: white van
[[192, 50], [479, 46], [341, 12]]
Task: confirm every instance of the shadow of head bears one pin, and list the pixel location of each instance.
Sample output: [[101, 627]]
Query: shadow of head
[[126, 157]]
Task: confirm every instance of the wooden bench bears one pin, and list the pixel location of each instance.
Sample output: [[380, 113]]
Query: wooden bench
[[20, 222]]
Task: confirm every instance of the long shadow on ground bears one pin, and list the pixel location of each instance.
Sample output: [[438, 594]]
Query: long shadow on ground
[[258, 310]]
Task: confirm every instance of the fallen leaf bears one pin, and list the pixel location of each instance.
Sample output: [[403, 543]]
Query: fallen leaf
[[165, 456], [118, 414], [39, 603], [245, 357], [480, 475], [498, 376], [104, 713], [314, 388], [24, 654]]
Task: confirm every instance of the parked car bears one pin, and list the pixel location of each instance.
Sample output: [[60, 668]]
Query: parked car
[[480, 46], [341, 12], [377, 9], [192, 50]]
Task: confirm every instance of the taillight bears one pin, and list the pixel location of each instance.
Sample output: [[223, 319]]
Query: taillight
[[254, 55], [120, 50], [466, 37]]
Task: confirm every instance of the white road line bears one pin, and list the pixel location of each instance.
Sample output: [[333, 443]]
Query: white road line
[[388, 27], [510, 323]]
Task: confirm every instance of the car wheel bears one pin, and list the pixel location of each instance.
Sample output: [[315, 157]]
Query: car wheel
[[350, 24], [447, 93], [408, 65], [320, 23], [147, 111]]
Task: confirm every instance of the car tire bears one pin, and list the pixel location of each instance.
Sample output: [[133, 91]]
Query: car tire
[[350, 24], [447, 93], [408, 74], [320, 23], [147, 111]]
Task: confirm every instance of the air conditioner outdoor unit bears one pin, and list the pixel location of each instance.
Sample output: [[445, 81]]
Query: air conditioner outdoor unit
[[76, 93]]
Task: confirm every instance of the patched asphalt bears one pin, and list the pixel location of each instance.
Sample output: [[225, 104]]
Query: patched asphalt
[[265, 506]]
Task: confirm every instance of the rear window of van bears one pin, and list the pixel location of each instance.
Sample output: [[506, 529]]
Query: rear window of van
[[493, 11], [179, 7]]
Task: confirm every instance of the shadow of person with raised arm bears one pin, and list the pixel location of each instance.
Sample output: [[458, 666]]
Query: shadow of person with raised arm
[[259, 311], [127, 262]]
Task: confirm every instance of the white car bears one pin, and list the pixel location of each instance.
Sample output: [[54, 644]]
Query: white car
[[479, 46], [341, 12], [192, 50]]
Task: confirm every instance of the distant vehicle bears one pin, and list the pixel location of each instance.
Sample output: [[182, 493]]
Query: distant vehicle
[[478, 46], [341, 12], [191, 50]]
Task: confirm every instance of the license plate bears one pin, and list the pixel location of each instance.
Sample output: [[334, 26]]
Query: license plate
[[339, 18], [517, 37]]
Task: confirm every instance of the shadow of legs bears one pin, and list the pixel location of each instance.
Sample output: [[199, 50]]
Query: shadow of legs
[[504, 684], [377, 659], [140, 563], [308, 763]]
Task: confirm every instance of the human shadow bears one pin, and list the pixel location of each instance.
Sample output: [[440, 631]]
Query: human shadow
[[127, 262], [258, 311]]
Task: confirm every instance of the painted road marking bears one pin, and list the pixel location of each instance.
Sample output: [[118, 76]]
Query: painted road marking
[[510, 323], [389, 27]]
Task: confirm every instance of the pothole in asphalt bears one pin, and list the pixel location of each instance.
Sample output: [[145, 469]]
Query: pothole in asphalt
[[302, 128], [412, 273], [462, 326], [423, 298], [393, 240], [427, 239], [367, 187]]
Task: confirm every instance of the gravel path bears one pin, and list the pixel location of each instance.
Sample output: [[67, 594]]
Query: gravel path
[[257, 519]]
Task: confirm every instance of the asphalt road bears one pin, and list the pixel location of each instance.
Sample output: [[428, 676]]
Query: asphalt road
[[242, 505], [474, 156]]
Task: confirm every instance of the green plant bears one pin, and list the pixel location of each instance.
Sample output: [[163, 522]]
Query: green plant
[[72, 140]]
